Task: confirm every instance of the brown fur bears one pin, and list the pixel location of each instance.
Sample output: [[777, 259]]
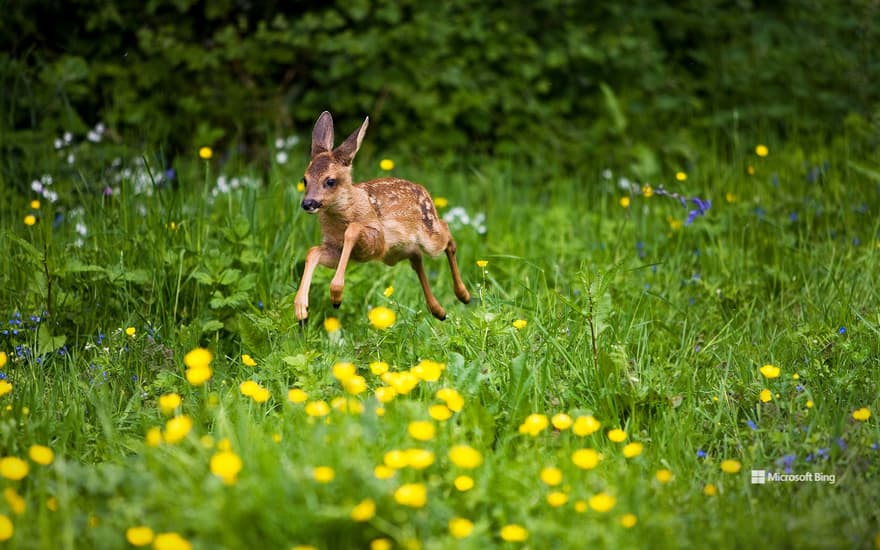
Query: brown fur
[[387, 219]]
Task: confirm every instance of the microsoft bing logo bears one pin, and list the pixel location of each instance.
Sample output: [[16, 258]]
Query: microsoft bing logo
[[759, 477]]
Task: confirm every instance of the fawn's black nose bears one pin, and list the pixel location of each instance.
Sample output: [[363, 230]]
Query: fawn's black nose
[[310, 205]]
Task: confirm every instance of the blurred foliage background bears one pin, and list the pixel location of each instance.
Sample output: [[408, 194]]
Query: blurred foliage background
[[563, 79]]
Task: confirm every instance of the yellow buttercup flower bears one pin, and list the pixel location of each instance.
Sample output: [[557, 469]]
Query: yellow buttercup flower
[[389, 290], [323, 474], [710, 490], [130, 331], [414, 495], [226, 465], [551, 475], [355, 385], [199, 375], [534, 424], [154, 437], [386, 165], [762, 150], [4, 358], [514, 533], [632, 450], [585, 425], [441, 202], [171, 541], [365, 510], [296, 395], [396, 459], [452, 398], [617, 435], [139, 536], [520, 324], [663, 475], [385, 394], [647, 191], [602, 502], [586, 459], [177, 429], [261, 395], [248, 360], [169, 402], [482, 263], [465, 456], [248, 388], [460, 528], [428, 370], [198, 357], [35, 204], [557, 499], [41, 454], [30, 220], [730, 466], [343, 371], [332, 324], [862, 415], [383, 472], [681, 176], [624, 202], [205, 153], [381, 544], [628, 521], [5, 387], [378, 367], [13, 468], [765, 396], [421, 430], [6, 528], [439, 412], [15, 501], [300, 186], [561, 421], [580, 506], [317, 408], [419, 459], [464, 483], [381, 317], [770, 371]]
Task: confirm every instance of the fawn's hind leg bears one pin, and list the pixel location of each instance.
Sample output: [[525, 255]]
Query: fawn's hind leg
[[436, 309], [461, 291]]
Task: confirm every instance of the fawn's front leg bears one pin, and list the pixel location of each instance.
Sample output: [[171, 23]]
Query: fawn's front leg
[[323, 255], [352, 234]]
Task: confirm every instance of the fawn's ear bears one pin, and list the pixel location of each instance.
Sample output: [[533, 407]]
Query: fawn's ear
[[349, 148], [322, 135]]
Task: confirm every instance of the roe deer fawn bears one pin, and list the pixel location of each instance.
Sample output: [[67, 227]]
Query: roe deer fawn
[[386, 219]]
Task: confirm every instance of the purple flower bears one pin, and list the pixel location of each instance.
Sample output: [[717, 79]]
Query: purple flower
[[841, 330], [701, 453], [841, 443], [108, 191], [751, 424]]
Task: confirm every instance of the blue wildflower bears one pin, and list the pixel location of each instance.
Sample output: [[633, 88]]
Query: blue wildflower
[[841, 330], [751, 424], [841, 443], [701, 453]]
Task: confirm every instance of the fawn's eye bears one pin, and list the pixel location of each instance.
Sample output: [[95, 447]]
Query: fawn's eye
[[330, 182]]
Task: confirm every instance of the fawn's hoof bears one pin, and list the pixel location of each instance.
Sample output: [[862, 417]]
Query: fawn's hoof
[[336, 305], [303, 322]]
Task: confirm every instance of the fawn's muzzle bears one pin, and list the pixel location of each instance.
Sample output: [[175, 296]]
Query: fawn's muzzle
[[311, 205]]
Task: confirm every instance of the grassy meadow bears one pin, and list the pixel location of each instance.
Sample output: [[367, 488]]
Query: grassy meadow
[[632, 351]]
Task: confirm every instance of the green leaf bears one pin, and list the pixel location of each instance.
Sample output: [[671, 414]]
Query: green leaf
[[46, 343]]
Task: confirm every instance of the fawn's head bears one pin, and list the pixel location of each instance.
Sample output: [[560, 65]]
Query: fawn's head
[[329, 170]]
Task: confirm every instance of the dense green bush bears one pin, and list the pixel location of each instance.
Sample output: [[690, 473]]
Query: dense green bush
[[557, 76]]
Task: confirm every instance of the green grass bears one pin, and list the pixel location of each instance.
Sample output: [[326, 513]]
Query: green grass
[[649, 325]]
